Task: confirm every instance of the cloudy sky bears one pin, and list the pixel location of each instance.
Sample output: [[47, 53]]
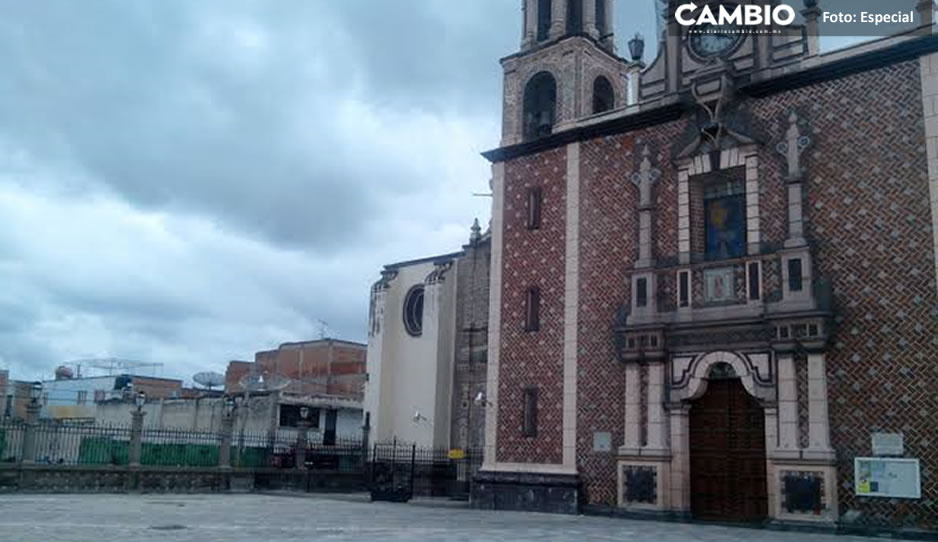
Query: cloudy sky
[[190, 181], [187, 182]]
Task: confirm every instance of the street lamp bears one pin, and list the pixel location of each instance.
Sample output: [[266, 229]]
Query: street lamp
[[35, 392], [304, 412], [637, 47], [140, 399]]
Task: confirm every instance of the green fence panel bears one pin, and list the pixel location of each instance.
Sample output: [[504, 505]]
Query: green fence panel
[[252, 457], [179, 455], [103, 451]]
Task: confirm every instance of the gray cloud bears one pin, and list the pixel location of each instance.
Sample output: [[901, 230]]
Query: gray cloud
[[189, 182]]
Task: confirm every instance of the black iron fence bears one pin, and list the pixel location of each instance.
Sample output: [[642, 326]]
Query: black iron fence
[[419, 470]]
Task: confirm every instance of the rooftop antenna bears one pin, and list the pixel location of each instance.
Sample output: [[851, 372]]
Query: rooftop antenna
[[323, 328]]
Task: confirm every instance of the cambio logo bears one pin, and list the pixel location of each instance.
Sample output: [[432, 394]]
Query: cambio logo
[[740, 15]]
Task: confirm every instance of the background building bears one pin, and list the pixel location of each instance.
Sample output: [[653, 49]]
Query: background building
[[326, 367], [712, 302], [426, 348], [75, 398]]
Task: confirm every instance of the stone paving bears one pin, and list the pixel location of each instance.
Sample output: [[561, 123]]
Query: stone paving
[[266, 518]]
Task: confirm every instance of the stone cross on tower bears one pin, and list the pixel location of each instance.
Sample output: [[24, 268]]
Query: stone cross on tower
[[644, 177], [793, 146]]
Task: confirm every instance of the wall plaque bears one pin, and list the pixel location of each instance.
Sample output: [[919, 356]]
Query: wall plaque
[[602, 442], [888, 444], [887, 477]]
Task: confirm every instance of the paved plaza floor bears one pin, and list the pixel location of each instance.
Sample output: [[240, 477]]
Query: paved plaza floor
[[266, 518]]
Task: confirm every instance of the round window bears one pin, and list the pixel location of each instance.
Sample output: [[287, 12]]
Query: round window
[[413, 311]]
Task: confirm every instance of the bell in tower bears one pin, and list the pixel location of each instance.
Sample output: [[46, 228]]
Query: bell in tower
[[567, 69]]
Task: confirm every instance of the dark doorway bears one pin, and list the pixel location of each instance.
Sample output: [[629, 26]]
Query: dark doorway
[[727, 455]]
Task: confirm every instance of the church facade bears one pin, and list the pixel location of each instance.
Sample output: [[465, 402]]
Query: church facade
[[714, 282], [427, 333]]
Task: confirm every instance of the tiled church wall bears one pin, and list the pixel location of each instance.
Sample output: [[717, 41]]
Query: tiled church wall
[[868, 218], [868, 222], [608, 226], [533, 359]]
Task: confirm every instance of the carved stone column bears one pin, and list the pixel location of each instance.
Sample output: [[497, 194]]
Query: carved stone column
[[608, 40], [791, 148], [633, 410], [589, 19], [788, 445], [529, 28], [819, 445], [657, 417], [810, 23], [644, 287], [558, 18], [680, 457]]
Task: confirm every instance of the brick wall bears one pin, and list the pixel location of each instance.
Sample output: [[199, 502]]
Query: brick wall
[[868, 217], [869, 225], [317, 367], [533, 258], [608, 249]]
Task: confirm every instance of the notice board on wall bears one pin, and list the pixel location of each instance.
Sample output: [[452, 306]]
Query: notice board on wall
[[887, 477]]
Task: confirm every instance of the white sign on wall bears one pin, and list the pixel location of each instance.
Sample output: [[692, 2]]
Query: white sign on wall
[[602, 442], [888, 444], [887, 477]]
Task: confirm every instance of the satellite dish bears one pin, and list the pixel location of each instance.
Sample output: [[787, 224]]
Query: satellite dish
[[209, 379], [264, 382]]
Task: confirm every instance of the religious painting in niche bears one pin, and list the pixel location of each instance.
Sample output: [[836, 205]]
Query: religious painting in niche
[[725, 220], [718, 285]]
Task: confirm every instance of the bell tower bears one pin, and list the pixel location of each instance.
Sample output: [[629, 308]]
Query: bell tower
[[567, 69]]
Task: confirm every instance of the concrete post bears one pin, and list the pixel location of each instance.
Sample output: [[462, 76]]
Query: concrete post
[[302, 430], [29, 433], [366, 436], [136, 436], [224, 452]]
